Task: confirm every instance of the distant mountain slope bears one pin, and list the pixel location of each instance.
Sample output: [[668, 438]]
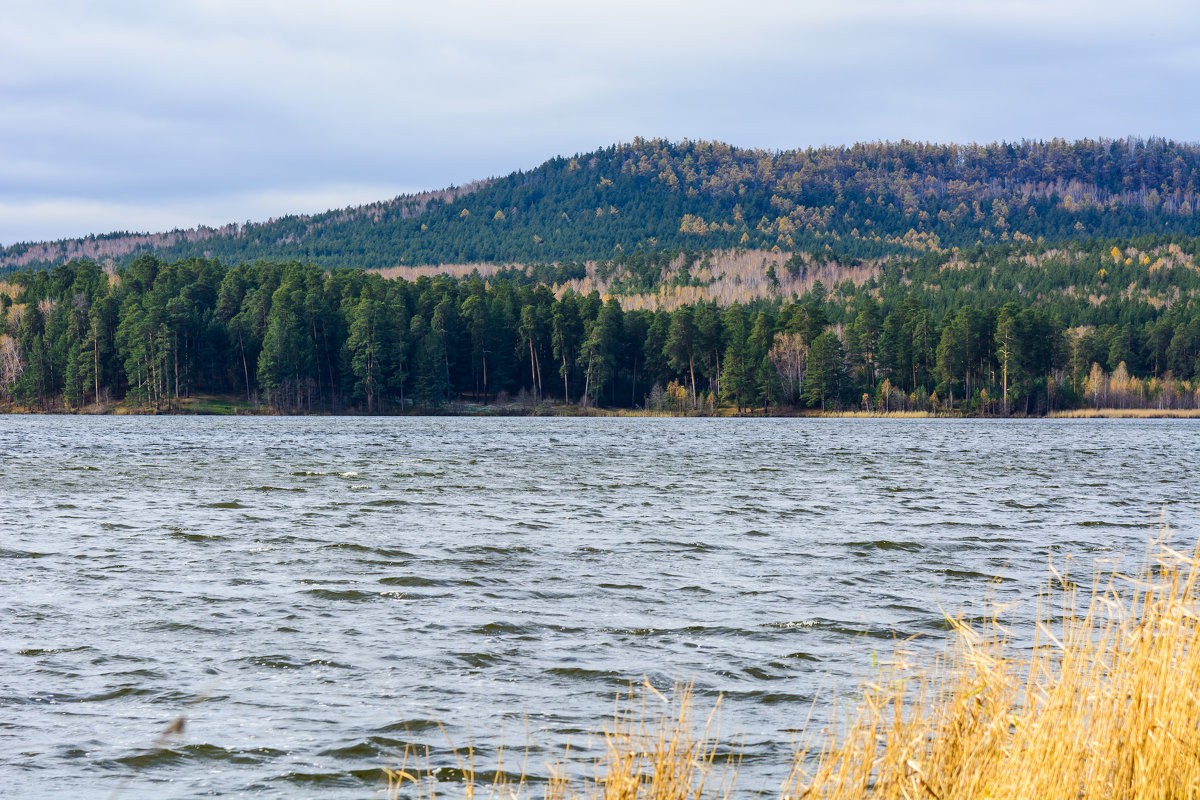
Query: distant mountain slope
[[862, 201], [263, 237]]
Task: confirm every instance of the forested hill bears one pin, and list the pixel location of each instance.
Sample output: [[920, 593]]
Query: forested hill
[[862, 201]]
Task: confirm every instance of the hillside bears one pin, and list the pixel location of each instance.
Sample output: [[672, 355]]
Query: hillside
[[859, 202]]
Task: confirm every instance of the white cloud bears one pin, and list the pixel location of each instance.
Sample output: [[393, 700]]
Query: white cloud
[[130, 105]]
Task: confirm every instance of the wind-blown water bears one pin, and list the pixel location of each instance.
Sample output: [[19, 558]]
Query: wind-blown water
[[313, 593]]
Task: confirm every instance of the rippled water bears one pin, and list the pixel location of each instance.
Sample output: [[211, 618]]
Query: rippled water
[[313, 593]]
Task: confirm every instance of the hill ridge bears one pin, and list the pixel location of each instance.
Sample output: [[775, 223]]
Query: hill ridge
[[863, 200]]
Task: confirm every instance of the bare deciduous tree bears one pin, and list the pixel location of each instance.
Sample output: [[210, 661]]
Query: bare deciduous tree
[[11, 363], [789, 354]]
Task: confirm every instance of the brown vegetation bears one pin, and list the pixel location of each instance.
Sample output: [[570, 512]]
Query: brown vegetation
[[485, 270], [1120, 392], [1127, 413], [741, 276], [726, 276]]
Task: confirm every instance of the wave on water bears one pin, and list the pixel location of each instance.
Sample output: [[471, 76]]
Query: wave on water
[[338, 588]]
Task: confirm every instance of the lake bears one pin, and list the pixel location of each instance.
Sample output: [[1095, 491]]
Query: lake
[[313, 593]]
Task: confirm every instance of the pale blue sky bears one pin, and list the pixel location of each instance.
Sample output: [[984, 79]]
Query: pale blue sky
[[154, 115]]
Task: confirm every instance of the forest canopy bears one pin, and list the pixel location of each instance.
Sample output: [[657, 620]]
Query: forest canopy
[[863, 201], [991, 330]]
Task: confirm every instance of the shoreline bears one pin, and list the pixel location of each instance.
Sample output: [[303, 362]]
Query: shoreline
[[1127, 413], [219, 405]]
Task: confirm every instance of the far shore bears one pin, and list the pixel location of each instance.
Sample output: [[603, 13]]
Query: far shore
[[227, 405]]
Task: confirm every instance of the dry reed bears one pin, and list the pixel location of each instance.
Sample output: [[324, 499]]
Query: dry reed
[[654, 749], [1104, 704], [1127, 413]]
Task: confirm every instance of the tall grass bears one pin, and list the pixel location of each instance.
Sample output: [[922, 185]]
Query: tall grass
[[1104, 704], [1127, 413], [652, 751]]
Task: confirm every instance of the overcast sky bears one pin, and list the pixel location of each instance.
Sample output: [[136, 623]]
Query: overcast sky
[[155, 115]]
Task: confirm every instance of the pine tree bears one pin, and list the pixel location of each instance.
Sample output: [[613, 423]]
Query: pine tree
[[826, 369]]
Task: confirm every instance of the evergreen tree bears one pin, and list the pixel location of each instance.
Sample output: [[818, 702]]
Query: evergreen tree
[[737, 380], [681, 345], [826, 369]]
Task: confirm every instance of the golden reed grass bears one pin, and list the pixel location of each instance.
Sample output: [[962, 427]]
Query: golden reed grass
[[1104, 704], [1127, 413], [655, 749]]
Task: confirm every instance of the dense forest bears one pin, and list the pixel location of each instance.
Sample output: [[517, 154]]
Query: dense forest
[[865, 201], [1007, 329]]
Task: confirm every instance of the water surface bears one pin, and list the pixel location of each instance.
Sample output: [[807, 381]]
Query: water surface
[[313, 593]]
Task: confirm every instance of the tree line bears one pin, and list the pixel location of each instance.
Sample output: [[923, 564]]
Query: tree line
[[302, 339]]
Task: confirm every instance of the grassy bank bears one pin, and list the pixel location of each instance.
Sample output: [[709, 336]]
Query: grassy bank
[[195, 405], [1104, 705], [1128, 413], [237, 405]]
